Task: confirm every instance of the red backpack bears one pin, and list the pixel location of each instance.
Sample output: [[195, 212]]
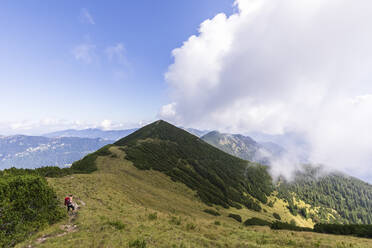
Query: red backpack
[[67, 201]]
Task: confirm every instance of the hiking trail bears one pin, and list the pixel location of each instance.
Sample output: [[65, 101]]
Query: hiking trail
[[67, 228]]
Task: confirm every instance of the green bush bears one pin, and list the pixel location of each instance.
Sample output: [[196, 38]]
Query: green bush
[[277, 216], [190, 226], [277, 225], [175, 221], [217, 223], [117, 224], [236, 217], [27, 205], [138, 243], [256, 222], [153, 216], [364, 231], [212, 212]]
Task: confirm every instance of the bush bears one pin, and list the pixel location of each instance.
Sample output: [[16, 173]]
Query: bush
[[256, 222], [277, 216], [364, 231], [277, 225], [27, 205], [117, 224], [153, 216], [175, 221], [138, 243], [236, 217], [217, 223], [190, 226], [212, 212]]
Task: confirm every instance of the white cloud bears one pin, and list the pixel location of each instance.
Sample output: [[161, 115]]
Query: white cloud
[[116, 53], [86, 17], [277, 66], [168, 111], [106, 124], [85, 53]]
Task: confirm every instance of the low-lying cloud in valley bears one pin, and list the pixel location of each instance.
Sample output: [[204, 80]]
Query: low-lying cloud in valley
[[279, 66]]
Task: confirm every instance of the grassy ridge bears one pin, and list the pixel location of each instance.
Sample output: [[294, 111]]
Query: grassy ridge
[[127, 207], [218, 177]]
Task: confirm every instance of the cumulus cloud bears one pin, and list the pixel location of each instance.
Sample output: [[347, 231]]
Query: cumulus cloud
[[85, 53], [86, 17], [278, 66]]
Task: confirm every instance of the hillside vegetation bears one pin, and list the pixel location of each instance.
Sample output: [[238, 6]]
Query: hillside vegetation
[[218, 177], [341, 199], [27, 204], [325, 197], [122, 206]]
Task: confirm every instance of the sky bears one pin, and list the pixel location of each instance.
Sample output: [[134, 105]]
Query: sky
[[299, 66], [77, 64]]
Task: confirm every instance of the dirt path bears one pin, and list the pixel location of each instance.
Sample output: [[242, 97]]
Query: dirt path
[[67, 228]]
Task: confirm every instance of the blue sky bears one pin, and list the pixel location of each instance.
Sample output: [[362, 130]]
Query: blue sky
[[89, 61]]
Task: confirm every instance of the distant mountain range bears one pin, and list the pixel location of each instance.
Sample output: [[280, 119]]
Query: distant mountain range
[[35, 151], [244, 147], [64, 147], [92, 133]]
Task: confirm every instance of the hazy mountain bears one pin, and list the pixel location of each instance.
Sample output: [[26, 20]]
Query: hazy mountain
[[196, 132], [293, 142], [244, 147], [35, 151], [92, 133]]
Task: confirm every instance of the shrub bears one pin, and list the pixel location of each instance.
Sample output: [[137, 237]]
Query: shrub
[[236, 217], [339, 229], [277, 225], [217, 223], [212, 212], [277, 216], [138, 243], [190, 226], [27, 205], [153, 216], [117, 224], [175, 221], [256, 222]]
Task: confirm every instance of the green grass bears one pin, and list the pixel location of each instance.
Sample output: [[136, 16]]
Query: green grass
[[120, 194]]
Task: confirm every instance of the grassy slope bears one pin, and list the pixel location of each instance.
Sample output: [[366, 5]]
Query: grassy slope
[[120, 192]]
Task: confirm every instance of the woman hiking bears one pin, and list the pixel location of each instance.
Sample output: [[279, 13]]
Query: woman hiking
[[68, 203]]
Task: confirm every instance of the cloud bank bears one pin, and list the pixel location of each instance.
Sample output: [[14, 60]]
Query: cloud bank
[[279, 66]]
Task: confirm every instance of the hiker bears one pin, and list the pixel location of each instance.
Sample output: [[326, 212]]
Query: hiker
[[68, 203]]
